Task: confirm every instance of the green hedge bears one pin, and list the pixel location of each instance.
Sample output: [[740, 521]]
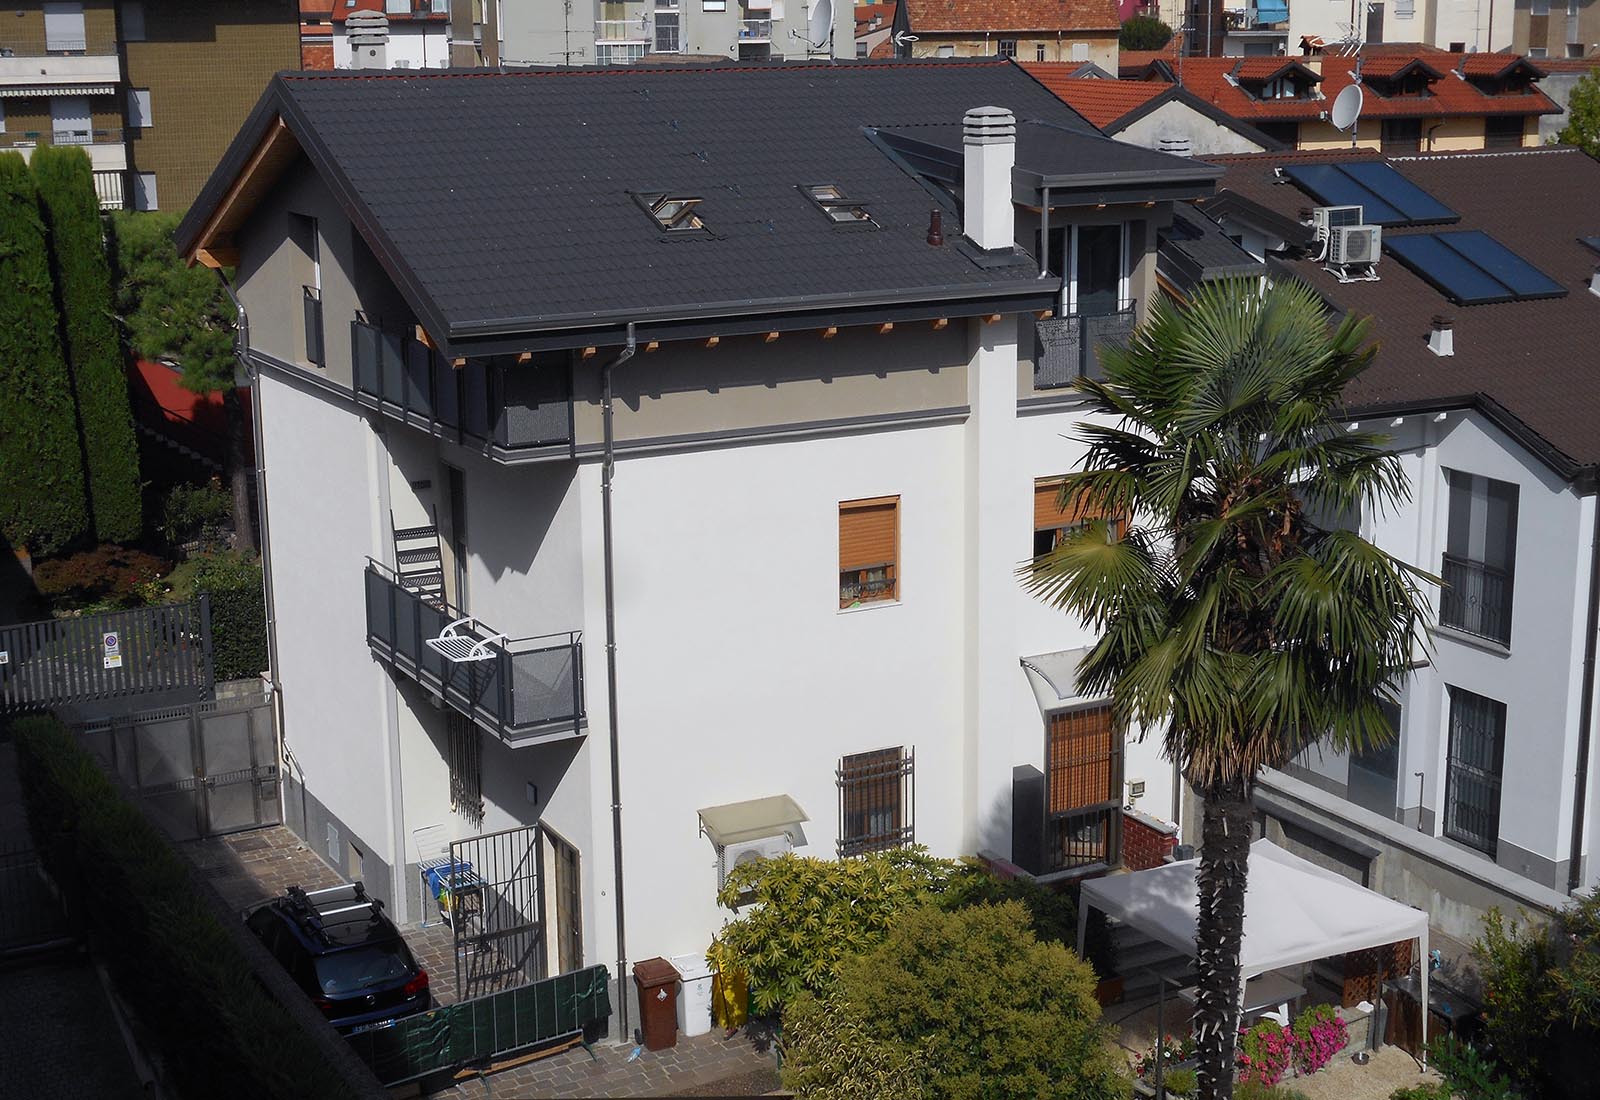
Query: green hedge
[[42, 500], [71, 212], [185, 975], [238, 614]]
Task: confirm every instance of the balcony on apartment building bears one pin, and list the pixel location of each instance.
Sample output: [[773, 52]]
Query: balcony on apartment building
[[522, 690], [1068, 348], [513, 410], [1476, 598], [67, 67], [755, 30], [106, 150], [1259, 29]]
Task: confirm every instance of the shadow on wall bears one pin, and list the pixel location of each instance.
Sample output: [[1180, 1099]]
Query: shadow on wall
[[19, 600], [507, 540]]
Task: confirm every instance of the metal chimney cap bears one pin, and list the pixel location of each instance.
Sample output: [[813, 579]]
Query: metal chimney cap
[[989, 126]]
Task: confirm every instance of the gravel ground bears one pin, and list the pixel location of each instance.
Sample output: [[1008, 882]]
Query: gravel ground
[[1389, 1069]]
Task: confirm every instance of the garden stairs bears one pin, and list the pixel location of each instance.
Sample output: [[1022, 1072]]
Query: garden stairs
[[1143, 961]]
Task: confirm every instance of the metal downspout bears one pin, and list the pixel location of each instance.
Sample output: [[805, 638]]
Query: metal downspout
[[1580, 790], [606, 469]]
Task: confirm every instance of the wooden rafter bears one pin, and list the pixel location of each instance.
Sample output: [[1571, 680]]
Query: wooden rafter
[[214, 244]]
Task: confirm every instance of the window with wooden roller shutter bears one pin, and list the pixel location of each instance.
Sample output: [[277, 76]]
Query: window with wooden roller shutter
[[1083, 791], [869, 550], [1052, 522], [876, 801]]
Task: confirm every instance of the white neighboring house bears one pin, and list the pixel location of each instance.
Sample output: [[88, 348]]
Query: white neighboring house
[[832, 438], [1488, 796], [391, 34]]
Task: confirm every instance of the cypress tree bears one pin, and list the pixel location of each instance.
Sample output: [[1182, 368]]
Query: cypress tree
[[71, 211], [42, 501]]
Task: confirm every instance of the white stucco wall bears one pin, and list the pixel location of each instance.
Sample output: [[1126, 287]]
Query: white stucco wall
[[1207, 137], [1433, 22], [411, 45]]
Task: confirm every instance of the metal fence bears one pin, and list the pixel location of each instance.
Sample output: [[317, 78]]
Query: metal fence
[[877, 801], [109, 657], [478, 1031], [528, 687], [1068, 348], [1473, 770], [203, 769], [492, 400], [1476, 598]]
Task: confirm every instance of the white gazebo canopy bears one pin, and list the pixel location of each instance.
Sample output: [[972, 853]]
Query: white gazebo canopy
[[1294, 911]]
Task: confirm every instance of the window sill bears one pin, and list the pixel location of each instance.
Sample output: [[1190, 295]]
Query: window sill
[[1477, 641], [869, 605]]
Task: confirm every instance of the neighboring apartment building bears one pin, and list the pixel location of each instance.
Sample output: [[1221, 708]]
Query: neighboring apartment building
[[1485, 313], [61, 83], [622, 32], [1556, 29], [1024, 30], [874, 26], [779, 419], [1428, 102], [398, 34], [1165, 117]]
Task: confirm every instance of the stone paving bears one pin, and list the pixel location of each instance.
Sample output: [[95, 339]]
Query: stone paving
[[251, 867]]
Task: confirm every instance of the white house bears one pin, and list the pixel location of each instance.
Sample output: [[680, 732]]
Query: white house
[[731, 450]]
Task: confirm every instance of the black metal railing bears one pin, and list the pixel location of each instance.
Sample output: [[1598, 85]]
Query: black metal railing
[[312, 299], [877, 801], [1473, 767], [493, 400], [1068, 348], [1476, 598], [858, 586], [527, 687], [1087, 838]]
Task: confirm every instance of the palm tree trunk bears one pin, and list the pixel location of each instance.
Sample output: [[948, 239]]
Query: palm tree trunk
[[244, 526], [1224, 867]]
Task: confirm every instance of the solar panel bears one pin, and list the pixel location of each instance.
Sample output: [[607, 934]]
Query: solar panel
[[1385, 196], [1389, 185], [1471, 267]]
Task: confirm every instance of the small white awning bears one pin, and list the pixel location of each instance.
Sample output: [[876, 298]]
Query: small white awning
[[30, 91], [751, 820], [1054, 678]]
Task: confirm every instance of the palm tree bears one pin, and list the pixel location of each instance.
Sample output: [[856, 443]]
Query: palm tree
[[1230, 616]]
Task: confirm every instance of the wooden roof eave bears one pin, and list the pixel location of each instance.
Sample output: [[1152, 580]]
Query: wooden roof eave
[[214, 245]]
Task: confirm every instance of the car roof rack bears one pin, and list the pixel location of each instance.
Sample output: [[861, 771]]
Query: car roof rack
[[311, 907]]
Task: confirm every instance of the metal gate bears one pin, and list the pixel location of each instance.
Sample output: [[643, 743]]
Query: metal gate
[[200, 770], [498, 916], [150, 655]]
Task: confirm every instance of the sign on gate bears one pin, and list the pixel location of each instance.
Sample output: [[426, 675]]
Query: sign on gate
[[111, 649]]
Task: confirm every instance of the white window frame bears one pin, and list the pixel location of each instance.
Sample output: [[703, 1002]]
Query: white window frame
[[65, 9], [1069, 286], [713, 5], [141, 109], [144, 191]]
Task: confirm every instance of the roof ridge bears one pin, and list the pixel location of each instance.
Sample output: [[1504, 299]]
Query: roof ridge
[[841, 64]]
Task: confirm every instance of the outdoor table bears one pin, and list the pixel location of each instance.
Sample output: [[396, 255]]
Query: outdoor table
[[1273, 989]]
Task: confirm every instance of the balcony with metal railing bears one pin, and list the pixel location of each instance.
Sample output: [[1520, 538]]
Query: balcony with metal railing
[[521, 690], [1068, 348], [637, 29], [1475, 598], [86, 70], [755, 30], [503, 406]]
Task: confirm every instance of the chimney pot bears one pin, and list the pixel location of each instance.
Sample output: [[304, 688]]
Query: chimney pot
[[1442, 340], [1594, 282], [989, 137], [936, 227]]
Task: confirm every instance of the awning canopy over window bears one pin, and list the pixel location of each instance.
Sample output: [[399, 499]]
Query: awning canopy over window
[[752, 820], [1054, 678], [40, 91]]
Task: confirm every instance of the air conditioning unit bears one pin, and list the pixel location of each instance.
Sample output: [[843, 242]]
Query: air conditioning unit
[[730, 856], [1324, 219], [1355, 244]]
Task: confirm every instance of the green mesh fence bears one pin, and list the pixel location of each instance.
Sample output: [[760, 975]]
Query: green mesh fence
[[486, 1028]]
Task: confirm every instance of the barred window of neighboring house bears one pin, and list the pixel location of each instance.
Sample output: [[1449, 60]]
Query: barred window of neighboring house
[[869, 551], [1083, 792], [1052, 522], [876, 801]]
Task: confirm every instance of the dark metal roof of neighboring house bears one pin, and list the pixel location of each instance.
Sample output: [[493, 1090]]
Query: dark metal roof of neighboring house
[[1194, 249], [1531, 365], [503, 203]]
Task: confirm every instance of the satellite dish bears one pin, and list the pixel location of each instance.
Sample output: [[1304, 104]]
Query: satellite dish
[[819, 27], [1347, 107]]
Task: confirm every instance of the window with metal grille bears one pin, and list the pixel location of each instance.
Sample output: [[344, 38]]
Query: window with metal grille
[[1480, 556], [1083, 789], [1503, 132], [1473, 770], [869, 551], [877, 801]]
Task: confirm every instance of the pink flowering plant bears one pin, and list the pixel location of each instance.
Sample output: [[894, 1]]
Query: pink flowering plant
[[1319, 1034], [1173, 1050], [1266, 1053]]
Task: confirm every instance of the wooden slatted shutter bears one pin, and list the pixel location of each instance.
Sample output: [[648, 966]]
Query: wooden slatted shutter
[[869, 541], [1084, 746], [1047, 511]]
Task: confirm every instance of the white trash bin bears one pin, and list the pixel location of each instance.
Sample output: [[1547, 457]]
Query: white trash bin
[[694, 999]]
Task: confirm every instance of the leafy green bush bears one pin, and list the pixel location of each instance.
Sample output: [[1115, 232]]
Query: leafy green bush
[[831, 1054], [1181, 1082], [1433, 1090], [1467, 1073], [83, 284], [1054, 912], [42, 497], [104, 578], [1256, 1090], [193, 512], [974, 1001], [812, 914], [1144, 32], [185, 975], [238, 613]]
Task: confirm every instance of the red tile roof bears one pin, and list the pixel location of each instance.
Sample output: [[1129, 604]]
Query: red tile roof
[[1451, 96], [866, 13], [1534, 359], [1390, 66], [1102, 102], [1139, 60], [1491, 64], [995, 16], [342, 10]]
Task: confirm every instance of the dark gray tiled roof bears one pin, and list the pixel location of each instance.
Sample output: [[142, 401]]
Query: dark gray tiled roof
[[502, 200], [1194, 249]]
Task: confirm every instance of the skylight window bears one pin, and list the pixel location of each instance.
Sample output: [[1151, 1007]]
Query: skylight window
[[673, 213], [833, 202]]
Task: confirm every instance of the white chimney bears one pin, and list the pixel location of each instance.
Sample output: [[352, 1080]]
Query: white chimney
[[368, 34], [1594, 282], [1442, 338], [990, 138]]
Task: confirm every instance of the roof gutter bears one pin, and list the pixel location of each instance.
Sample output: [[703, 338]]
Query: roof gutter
[[1580, 789]]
